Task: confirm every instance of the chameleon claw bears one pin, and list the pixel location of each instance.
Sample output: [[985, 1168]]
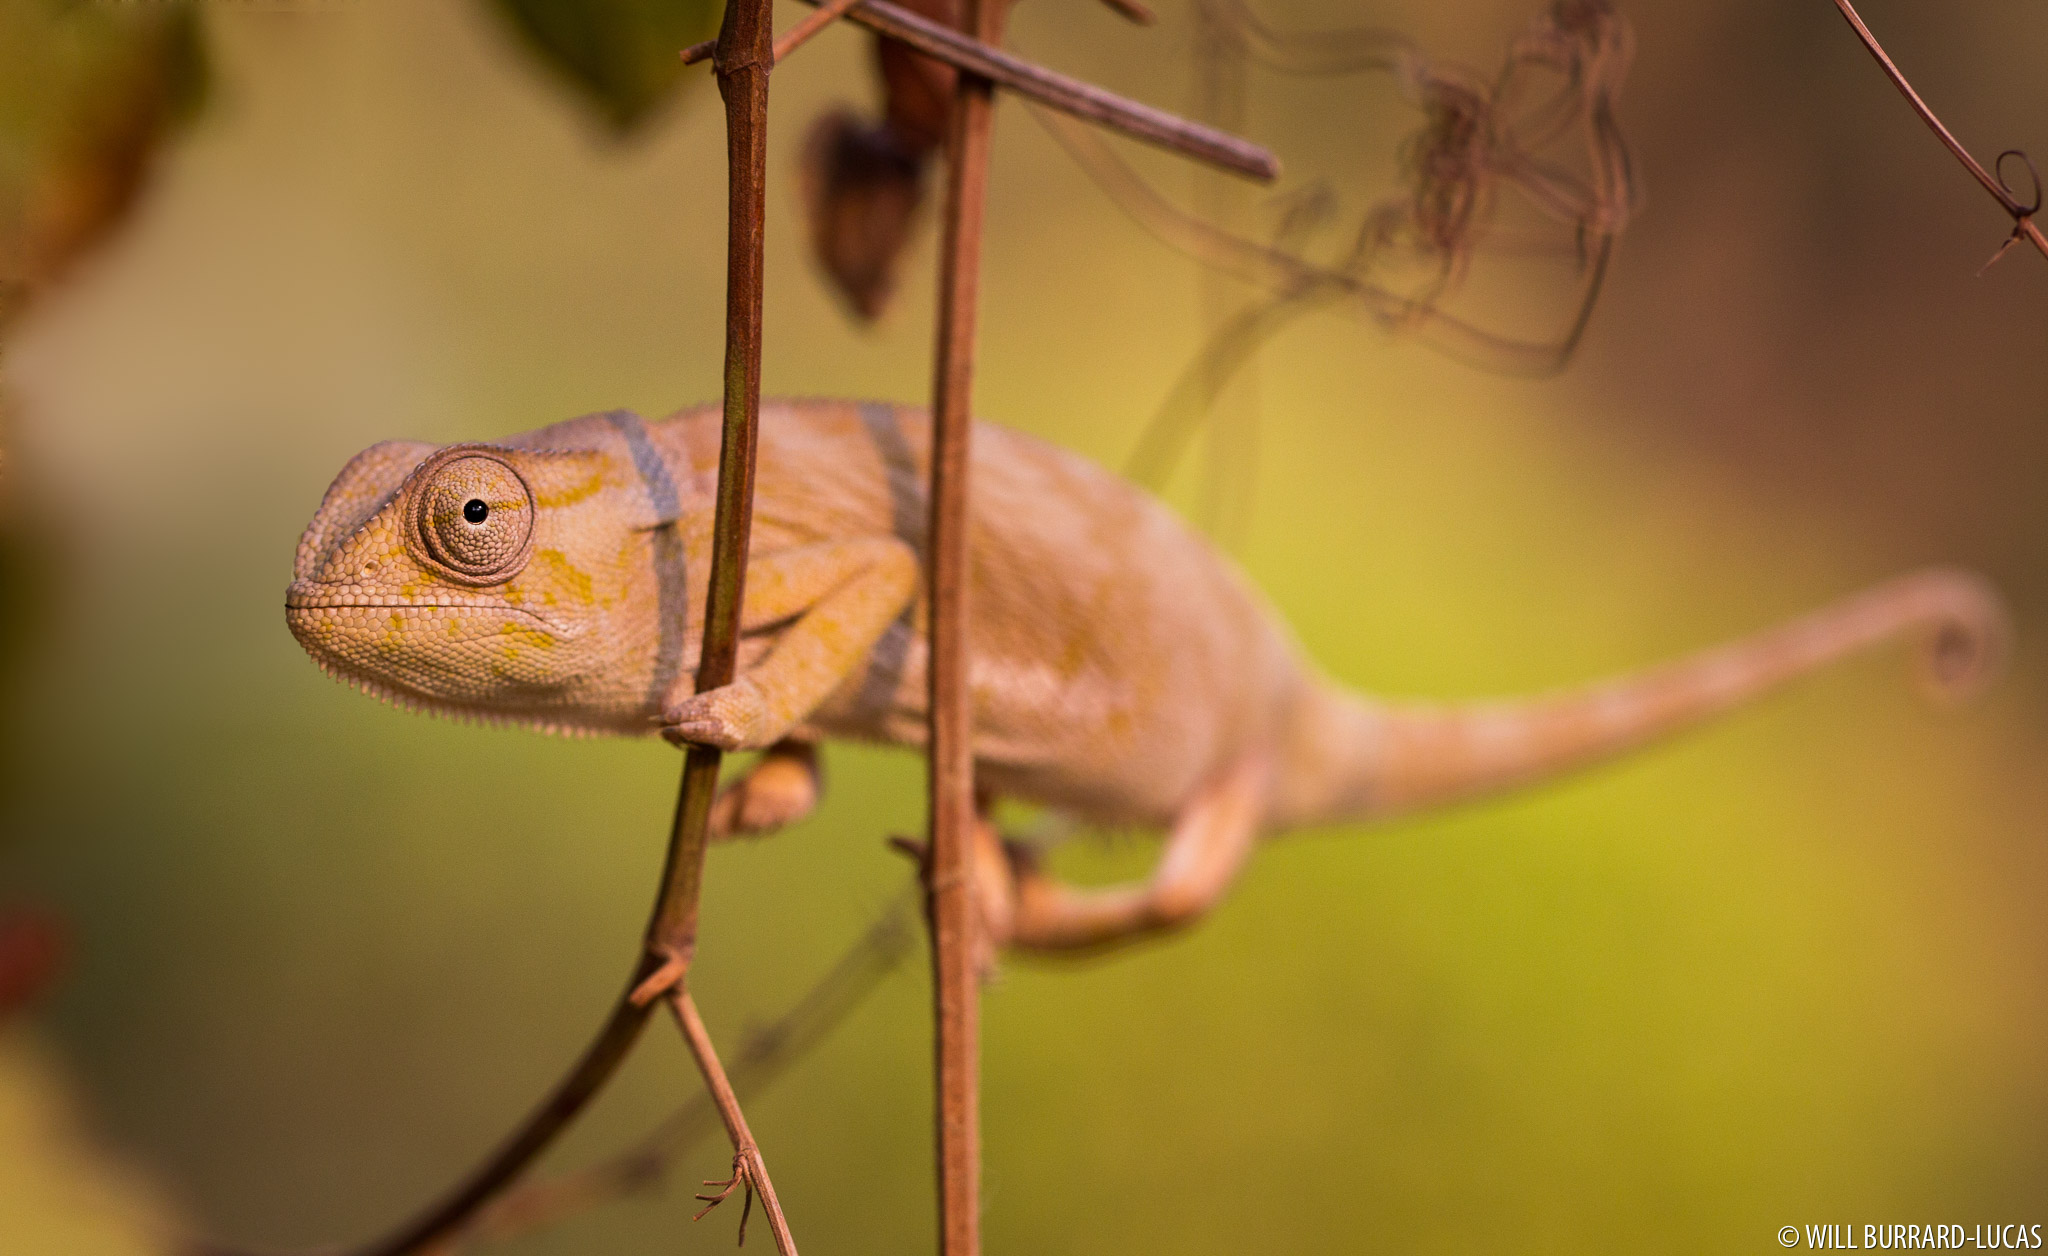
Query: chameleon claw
[[701, 732], [914, 849], [730, 717]]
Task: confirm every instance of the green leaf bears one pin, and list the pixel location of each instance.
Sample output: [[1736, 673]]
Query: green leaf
[[621, 56]]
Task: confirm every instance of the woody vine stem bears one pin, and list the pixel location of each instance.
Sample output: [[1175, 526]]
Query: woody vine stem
[[2022, 215], [956, 986]]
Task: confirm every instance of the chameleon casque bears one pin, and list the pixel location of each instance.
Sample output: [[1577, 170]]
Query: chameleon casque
[[1122, 670]]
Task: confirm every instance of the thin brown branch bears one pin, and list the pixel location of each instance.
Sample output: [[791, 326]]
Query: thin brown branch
[[956, 983], [1056, 91], [748, 1168], [743, 65], [796, 37], [1069, 95], [745, 56], [2022, 215], [1131, 10], [762, 1057], [813, 22]]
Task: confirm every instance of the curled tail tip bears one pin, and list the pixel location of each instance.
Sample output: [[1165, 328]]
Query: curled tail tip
[[1968, 632]]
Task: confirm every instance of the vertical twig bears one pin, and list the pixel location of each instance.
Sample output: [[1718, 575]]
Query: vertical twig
[[744, 57], [955, 982]]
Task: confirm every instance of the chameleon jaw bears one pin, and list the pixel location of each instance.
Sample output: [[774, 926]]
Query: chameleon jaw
[[307, 595], [406, 700], [387, 645]]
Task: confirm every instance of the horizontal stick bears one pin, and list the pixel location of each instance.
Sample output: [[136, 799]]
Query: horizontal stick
[[814, 22], [1069, 95], [800, 34]]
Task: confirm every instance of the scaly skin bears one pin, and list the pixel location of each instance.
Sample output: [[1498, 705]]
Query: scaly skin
[[1122, 670]]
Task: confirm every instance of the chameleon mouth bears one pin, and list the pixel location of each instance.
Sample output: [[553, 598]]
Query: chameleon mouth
[[310, 595]]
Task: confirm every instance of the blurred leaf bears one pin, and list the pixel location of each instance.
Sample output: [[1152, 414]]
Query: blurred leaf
[[60, 1191], [622, 56], [91, 92], [863, 189]]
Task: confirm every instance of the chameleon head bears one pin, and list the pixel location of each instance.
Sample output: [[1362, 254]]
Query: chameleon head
[[483, 581]]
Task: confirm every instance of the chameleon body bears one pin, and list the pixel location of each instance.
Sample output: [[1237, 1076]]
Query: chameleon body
[[1121, 669]]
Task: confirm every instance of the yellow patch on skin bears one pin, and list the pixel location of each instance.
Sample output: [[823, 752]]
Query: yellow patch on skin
[[570, 496], [555, 574], [522, 635]]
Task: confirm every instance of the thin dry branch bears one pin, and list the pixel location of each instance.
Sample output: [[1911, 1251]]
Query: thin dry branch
[[813, 22], [1054, 90], [749, 1170], [744, 59], [1069, 95], [791, 40], [743, 62], [2022, 215], [955, 941], [761, 1058]]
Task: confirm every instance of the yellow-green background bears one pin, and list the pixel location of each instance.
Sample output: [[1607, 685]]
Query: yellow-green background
[[1790, 970]]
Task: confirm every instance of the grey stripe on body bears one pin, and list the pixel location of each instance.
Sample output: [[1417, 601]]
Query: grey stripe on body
[[906, 508], [673, 615]]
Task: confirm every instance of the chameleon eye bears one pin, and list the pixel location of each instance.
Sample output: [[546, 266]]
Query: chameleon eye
[[473, 515]]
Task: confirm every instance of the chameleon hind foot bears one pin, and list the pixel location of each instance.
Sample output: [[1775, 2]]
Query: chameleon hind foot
[[992, 875], [780, 789], [1204, 852]]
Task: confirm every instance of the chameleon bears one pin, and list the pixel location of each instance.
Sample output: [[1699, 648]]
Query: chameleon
[[1122, 670]]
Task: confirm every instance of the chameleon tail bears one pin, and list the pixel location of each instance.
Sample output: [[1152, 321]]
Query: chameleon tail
[[1367, 759]]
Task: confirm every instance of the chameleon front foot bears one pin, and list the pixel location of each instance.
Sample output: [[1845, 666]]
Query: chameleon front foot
[[730, 717]]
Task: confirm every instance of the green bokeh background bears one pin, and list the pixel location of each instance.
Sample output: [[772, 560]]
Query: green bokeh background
[[1788, 970]]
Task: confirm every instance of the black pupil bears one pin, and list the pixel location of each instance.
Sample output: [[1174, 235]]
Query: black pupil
[[475, 510]]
